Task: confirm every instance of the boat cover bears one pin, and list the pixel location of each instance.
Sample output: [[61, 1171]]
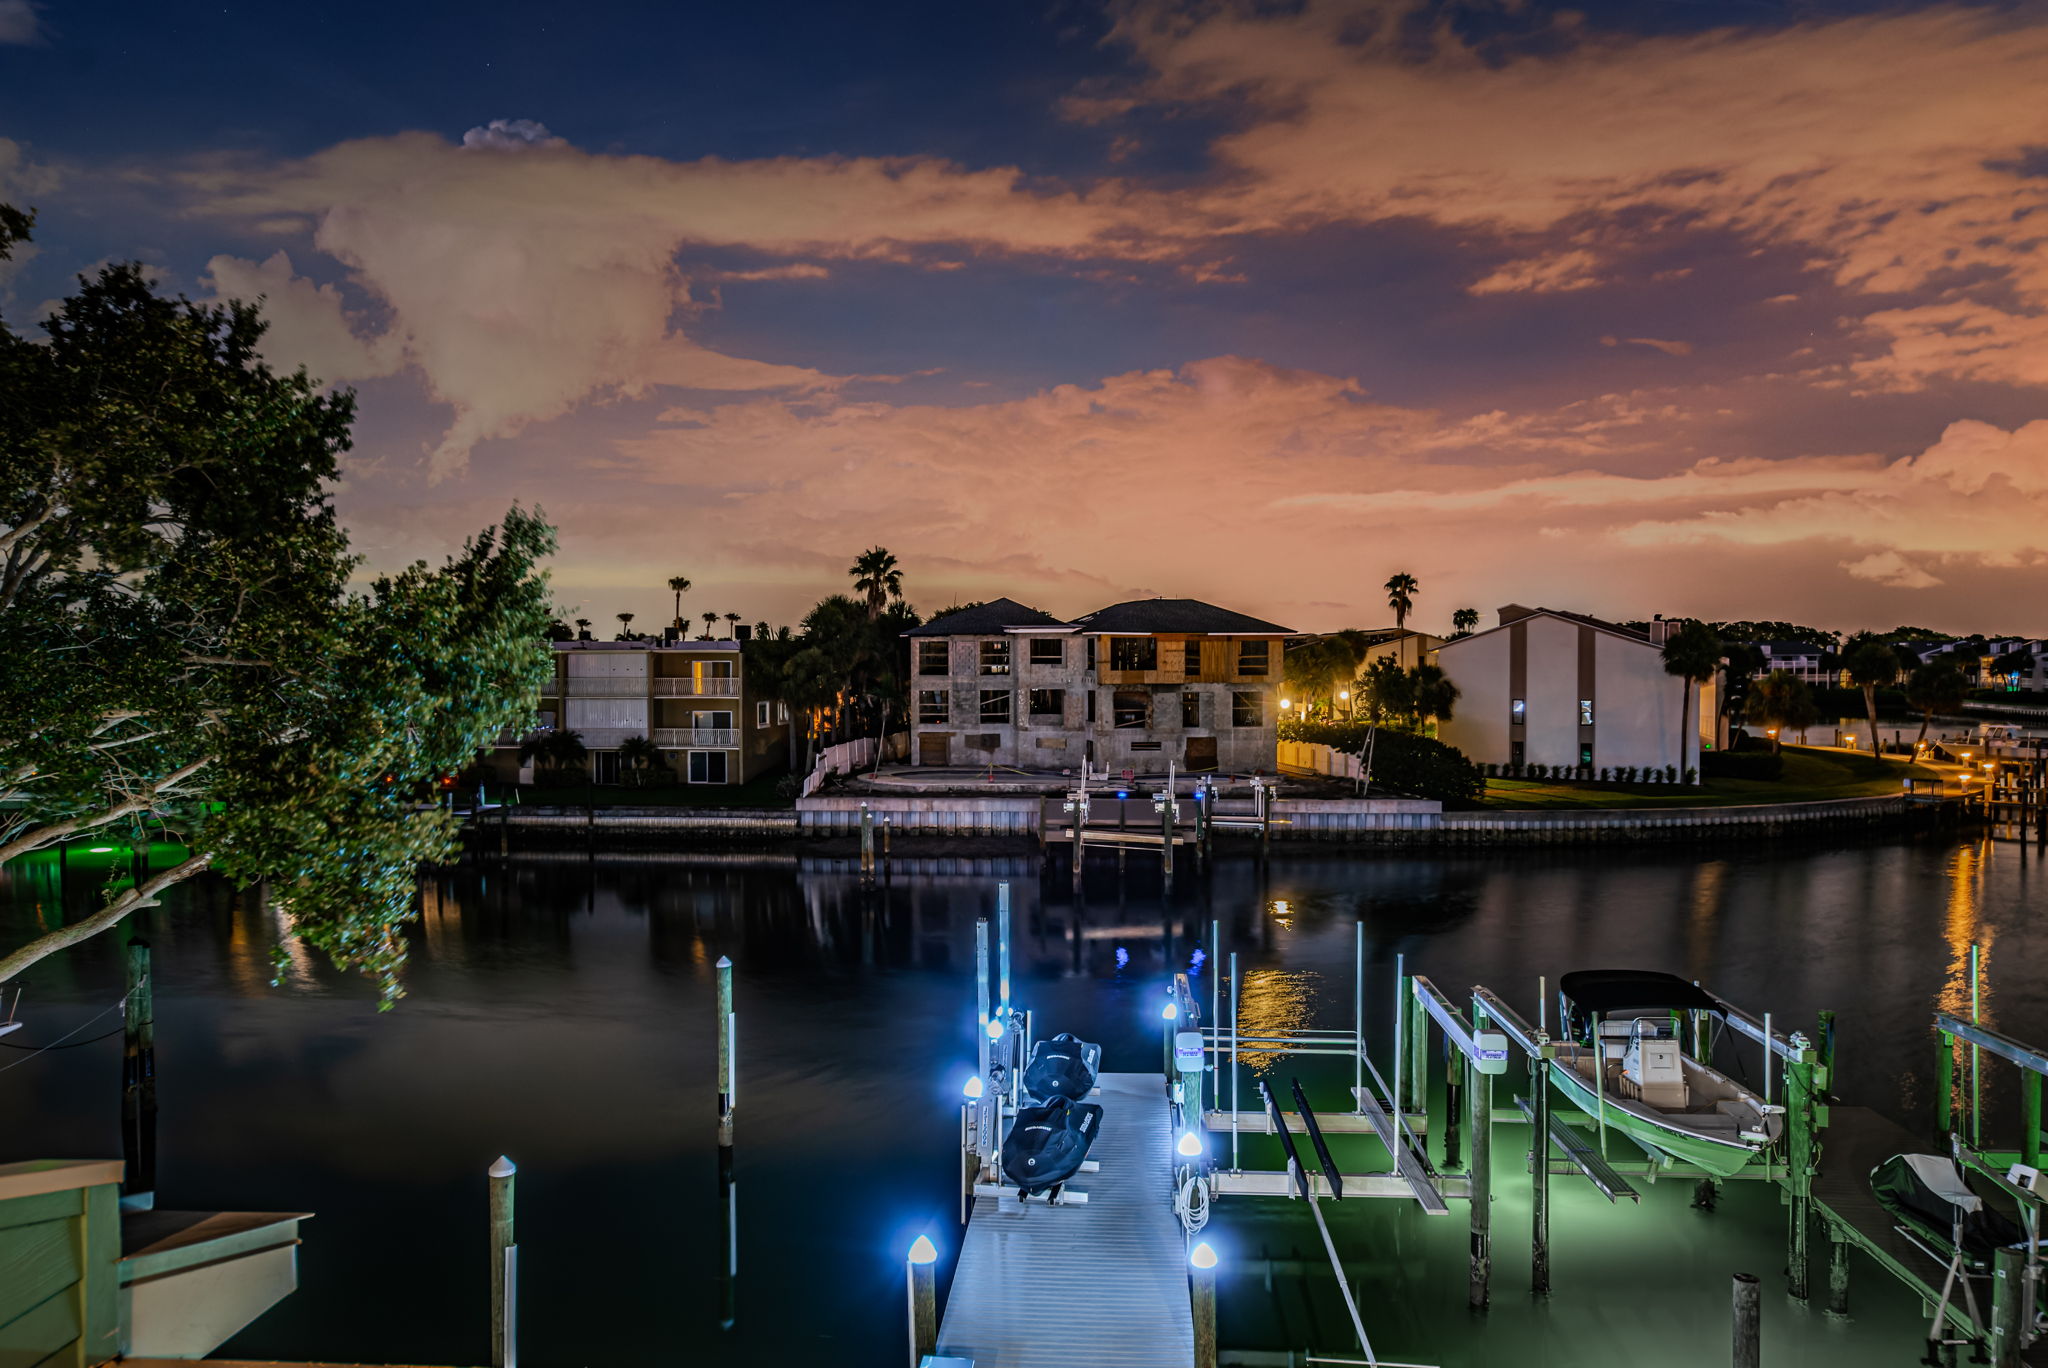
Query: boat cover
[[1927, 1192], [1062, 1067], [1046, 1144], [1629, 992]]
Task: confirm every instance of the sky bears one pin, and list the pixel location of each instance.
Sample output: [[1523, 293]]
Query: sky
[[1730, 309]]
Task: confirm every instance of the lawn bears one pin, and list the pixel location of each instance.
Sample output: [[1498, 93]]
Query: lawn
[[1810, 776], [755, 793]]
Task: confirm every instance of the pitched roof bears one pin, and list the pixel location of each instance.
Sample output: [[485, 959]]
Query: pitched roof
[[1176, 615], [986, 619], [1790, 648], [1515, 612]]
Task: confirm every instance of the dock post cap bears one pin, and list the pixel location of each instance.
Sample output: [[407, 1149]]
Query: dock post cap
[[725, 962], [1203, 1255], [503, 1168], [923, 1251], [973, 1088]]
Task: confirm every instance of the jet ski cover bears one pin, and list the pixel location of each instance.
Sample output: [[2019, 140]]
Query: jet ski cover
[[1927, 1193], [1046, 1144], [1062, 1067]]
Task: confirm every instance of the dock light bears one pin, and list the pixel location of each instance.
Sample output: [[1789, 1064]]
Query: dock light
[[923, 1251], [100, 850], [1190, 1146], [973, 1090], [1122, 794], [1285, 704], [1170, 1012], [995, 1030], [1202, 1256]]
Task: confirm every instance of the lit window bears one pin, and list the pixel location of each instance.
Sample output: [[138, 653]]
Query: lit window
[[1133, 653], [1585, 712], [995, 657], [1585, 755], [1518, 712], [762, 712]]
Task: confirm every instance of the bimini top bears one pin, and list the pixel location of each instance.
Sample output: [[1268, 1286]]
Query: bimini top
[[1616, 992]]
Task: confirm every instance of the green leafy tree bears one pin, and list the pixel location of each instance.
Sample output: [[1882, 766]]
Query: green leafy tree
[[1870, 664], [640, 755], [876, 576], [1464, 621], [1318, 666], [1401, 588], [1781, 702], [1693, 653], [560, 752], [184, 652], [1933, 688]]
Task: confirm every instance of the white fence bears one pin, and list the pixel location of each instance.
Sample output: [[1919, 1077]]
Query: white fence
[[848, 756]]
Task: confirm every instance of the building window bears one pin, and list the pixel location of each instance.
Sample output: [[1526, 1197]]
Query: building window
[[1145, 745], [763, 710], [1190, 659], [934, 706], [995, 706], [1048, 702], [1585, 712], [1132, 707], [707, 767], [995, 657], [1190, 708], [1091, 705], [781, 712], [1253, 657], [932, 658], [1048, 651], [1516, 754], [1247, 708], [1585, 755], [1518, 711], [1133, 653]]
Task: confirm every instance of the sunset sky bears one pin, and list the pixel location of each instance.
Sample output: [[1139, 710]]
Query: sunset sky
[[1712, 309]]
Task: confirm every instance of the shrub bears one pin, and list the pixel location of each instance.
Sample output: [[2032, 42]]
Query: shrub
[[1418, 766], [1692, 776], [1607, 774], [1744, 764], [1537, 772], [1628, 774], [1671, 774]]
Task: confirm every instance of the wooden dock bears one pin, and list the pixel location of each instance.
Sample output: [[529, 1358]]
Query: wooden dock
[[1103, 1284]]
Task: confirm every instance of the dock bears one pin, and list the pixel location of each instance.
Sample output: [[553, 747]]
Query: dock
[[1104, 1283]]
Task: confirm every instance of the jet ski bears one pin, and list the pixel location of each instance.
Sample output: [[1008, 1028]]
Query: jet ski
[[1047, 1144], [1933, 1200], [1062, 1067]]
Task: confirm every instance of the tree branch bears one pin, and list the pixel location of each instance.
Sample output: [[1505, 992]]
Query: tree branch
[[57, 831], [128, 900]]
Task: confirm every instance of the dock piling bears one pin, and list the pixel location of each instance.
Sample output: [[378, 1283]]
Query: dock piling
[[1479, 1089], [867, 841], [1748, 1307], [725, 1059], [2008, 1307], [138, 1081], [1539, 1178], [921, 1274], [504, 1350], [1838, 1271], [1202, 1293]]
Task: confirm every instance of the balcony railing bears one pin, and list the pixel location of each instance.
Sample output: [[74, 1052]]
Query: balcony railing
[[686, 686], [608, 686], [696, 738]]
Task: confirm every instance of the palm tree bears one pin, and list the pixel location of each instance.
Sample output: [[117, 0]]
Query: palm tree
[[732, 625], [582, 626], [710, 623], [1464, 620], [875, 575], [556, 750], [1693, 653], [640, 754], [1781, 702], [625, 626], [1932, 688], [1870, 664], [679, 585], [1401, 590]]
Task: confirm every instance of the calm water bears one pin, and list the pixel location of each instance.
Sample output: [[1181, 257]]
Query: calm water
[[562, 1013]]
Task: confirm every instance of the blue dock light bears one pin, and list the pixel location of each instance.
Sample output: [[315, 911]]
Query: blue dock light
[[923, 1251], [995, 1028], [974, 1089], [1170, 1012], [1190, 1146], [1122, 794], [1202, 1256]]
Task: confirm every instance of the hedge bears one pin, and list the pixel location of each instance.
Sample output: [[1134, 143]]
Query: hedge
[[1418, 766]]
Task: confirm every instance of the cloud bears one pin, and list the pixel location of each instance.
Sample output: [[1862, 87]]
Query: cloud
[[512, 135], [1891, 569], [1551, 274], [800, 270], [1669, 348], [20, 24], [309, 325]]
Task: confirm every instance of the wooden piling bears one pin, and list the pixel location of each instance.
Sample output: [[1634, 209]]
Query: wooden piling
[[924, 1309], [725, 1059], [1166, 833], [1539, 1177], [1748, 1308], [867, 841], [138, 1081], [501, 1175], [1202, 1292], [1800, 1113], [2009, 1308], [1479, 1088], [1838, 1271]]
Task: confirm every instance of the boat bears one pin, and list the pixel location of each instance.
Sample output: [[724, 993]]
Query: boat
[[1063, 1066], [1047, 1144], [1936, 1206], [1625, 1062]]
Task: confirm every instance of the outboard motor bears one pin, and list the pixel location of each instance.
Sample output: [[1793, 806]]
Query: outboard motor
[[1062, 1067], [1046, 1145]]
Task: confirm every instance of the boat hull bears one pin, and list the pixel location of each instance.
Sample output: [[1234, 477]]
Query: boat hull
[[1718, 1157]]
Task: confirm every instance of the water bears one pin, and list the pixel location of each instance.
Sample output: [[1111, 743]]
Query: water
[[563, 1013]]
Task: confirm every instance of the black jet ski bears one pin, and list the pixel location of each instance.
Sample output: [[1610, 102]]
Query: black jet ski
[[1047, 1144], [1062, 1067], [1932, 1198]]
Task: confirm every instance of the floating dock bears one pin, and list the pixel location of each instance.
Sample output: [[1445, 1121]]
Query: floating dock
[[1104, 1283]]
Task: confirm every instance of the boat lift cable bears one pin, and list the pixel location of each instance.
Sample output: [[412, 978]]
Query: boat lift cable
[[1308, 1192], [58, 1043]]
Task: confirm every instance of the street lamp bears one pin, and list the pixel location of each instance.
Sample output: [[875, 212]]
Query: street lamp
[[1344, 696]]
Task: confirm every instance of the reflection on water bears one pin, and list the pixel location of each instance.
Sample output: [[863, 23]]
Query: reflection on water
[[563, 1012]]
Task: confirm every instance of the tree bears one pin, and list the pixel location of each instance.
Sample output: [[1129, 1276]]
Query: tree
[[732, 625], [582, 626], [1464, 621], [184, 651], [1932, 688], [679, 585], [1781, 702], [558, 751], [875, 575], [1741, 661], [710, 623], [1693, 653], [639, 754], [1320, 665], [1401, 589], [625, 626], [1870, 663]]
